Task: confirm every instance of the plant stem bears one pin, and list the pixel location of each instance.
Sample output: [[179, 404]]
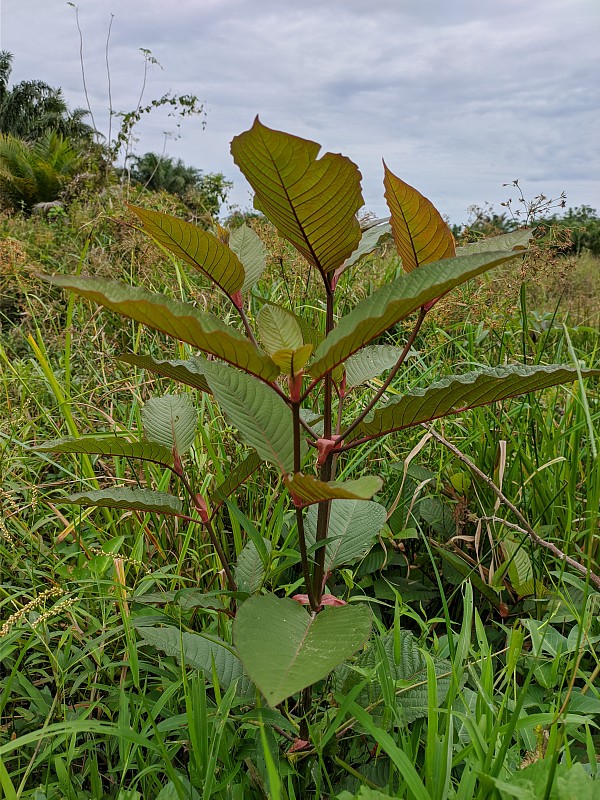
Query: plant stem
[[299, 518], [327, 466], [209, 529]]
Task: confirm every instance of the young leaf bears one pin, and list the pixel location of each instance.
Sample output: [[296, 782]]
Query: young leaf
[[133, 499], [180, 320], [353, 529], [458, 393], [278, 330], [251, 251], [199, 248], [260, 414], [290, 362], [200, 652], [395, 301], [312, 202], [309, 332], [420, 234], [250, 570], [110, 446], [517, 240], [371, 239], [370, 362], [171, 420], [284, 649], [307, 490], [520, 569]]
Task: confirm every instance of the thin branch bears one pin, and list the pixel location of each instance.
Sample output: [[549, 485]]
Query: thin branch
[[526, 526], [381, 391], [299, 518]]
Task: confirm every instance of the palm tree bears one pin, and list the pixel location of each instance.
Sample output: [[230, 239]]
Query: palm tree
[[31, 108], [35, 172]]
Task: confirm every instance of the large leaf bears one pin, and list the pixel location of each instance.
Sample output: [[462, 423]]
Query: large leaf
[[307, 490], [370, 240], [190, 371], [395, 301], [407, 668], [199, 248], [517, 240], [458, 393], [110, 446], [251, 251], [180, 320], [200, 652], [250, 570], [133, 499], [285, 649], [259, 413], [171, 420], [370, 362], [312, 202], [278, 329], [353, 529], [420, 234]]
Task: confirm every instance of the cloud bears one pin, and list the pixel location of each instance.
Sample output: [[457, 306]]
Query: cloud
[[458, 98]]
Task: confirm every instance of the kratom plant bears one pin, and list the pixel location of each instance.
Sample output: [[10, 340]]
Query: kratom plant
[[284, 385]]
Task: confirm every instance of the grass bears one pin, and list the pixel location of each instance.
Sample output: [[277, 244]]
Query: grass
[[481, 680]]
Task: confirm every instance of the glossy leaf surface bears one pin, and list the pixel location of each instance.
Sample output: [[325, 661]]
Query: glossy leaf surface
[[458, 393], [110, 446], [199, 248], [395, 301], [308, 490], [420, 234], [311, 201], [180, 320]]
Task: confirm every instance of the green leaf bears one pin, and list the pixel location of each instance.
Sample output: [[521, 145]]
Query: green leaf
[[109, 446], [180, 320], [292, 362], [312, 202], [199, 248], [187, 599], [200, 652], [520, 569], [278, 329], [370, 240], [420, 234], [261, 415], [310, 334], [171, 420], [458, 393], [251, 251], [517, 240], [285, 649], [307, 490], [395, 301], [250, 570], [133, 499], [407, 668], [370, 362], [353, 529], [190, 372]]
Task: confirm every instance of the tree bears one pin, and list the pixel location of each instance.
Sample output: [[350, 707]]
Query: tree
[[29, 109], [35, 172], [203, 193]]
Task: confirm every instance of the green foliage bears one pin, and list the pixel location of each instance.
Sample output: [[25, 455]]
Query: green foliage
[[228, 695], [35, 172]]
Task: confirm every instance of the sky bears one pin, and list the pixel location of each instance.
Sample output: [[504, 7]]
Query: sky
[[458, 96]]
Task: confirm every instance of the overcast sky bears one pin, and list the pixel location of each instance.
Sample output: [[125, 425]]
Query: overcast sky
[[458, 96]]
